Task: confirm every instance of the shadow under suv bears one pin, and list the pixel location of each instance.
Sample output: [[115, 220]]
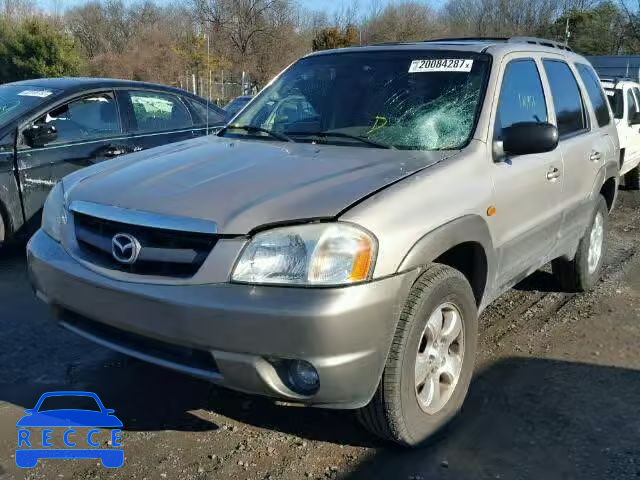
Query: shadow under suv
[[334, 245]]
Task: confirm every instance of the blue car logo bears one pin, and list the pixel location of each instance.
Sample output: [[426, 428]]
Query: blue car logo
[[29, 452]]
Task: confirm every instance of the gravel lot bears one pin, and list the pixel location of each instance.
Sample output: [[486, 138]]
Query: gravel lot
[[556, 395]]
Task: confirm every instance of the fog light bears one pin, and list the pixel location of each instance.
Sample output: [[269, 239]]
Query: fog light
[[303, 377]]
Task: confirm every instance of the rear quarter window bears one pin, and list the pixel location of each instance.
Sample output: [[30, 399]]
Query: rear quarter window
[[594, 91]]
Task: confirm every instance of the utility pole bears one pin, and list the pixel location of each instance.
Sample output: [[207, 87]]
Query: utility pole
[[567, 33]]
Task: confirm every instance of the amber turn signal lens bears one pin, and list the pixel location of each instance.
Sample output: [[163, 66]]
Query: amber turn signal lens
[[362, 262]]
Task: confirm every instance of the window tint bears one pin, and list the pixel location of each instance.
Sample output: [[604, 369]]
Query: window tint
[[199, 111], [592, 84], [159, 111], [91, 117], [566, 97], [632, 106], [521, 96]]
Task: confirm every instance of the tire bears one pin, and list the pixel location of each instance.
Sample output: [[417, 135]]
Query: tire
[[632, 179], [395, 413], [576, 275]]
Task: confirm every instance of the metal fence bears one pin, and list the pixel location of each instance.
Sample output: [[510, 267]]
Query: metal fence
[[219, 87]]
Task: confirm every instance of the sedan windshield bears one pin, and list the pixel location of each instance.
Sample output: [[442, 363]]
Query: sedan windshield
[[15, 100], [418, 100]]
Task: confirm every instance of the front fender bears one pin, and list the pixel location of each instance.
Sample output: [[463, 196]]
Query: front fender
[[463, 230]]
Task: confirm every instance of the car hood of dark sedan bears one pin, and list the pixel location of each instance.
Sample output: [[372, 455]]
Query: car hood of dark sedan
[[242, 184]]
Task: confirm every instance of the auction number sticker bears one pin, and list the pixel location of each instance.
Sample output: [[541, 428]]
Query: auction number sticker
[[35, 93], [441, 65]]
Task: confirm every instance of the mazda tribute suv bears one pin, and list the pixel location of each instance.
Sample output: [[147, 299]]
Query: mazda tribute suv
[[334, 244]]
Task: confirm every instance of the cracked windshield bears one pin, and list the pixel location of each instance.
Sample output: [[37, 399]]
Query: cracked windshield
[[411, 100]]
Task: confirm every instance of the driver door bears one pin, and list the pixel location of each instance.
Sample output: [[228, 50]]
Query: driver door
[[87, 130]]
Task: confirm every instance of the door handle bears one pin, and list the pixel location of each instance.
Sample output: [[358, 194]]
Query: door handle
[[553, 174], [595, 156]]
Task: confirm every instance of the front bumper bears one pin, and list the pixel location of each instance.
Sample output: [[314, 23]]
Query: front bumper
[[345, 333]]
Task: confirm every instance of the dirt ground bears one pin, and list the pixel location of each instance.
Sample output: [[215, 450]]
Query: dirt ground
[[556, 395]]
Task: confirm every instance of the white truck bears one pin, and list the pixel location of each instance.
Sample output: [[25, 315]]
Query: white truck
[[624, 98]]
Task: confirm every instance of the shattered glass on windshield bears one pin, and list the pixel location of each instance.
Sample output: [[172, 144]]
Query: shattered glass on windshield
[[439, 124], [405, 99]]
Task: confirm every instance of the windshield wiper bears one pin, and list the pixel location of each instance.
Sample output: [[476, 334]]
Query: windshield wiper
[[254, 129], [330, 133]]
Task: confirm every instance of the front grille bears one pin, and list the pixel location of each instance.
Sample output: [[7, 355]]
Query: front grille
[[167, 253], [177, 354]]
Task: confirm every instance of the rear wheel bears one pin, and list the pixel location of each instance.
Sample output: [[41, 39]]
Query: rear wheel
[[632, 178], [431, 361], [582, 273]]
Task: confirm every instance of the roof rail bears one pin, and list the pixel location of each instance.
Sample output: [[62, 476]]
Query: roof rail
[[467, 39], [540, 41], [531, 40]]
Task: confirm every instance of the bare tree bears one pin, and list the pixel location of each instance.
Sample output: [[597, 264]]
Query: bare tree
[[406, 21], [17, 9]]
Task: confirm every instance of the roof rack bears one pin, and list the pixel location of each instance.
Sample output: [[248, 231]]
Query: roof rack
[[540, 41], [531, 40]]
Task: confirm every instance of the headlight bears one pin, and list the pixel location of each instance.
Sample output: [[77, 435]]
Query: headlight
[[317, 254], [54, 213]]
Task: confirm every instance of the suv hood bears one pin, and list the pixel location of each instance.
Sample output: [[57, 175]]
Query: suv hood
[[242, 184]]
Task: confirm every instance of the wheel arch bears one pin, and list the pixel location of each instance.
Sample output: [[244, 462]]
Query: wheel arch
[[464, 244], [10, 206], [606, 184]]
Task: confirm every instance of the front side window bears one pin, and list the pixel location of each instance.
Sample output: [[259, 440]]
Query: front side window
[[155, 111], [567, 100], [521, 96], [91, 117], [616, 100], [418, 100], [632, 105], [594, 91]]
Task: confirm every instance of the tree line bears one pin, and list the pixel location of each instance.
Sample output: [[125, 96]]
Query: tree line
[[244, 43]]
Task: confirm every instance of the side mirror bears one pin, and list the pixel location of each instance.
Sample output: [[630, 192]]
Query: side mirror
[[529, 137], [635, 119], [39, 135]]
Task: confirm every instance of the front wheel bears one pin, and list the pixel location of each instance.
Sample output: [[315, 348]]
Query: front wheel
[[582, 273], [431, 361]]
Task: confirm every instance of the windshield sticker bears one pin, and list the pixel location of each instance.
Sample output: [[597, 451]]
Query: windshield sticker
[[35, 93], [611, 93], [441, 65]]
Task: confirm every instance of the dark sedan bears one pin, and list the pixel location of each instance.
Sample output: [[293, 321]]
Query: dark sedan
[[51, 127]]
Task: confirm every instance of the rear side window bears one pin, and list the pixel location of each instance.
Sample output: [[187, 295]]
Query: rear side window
[[594, 91], [155, 111], [566, 98], [521, 96], [199, 111]]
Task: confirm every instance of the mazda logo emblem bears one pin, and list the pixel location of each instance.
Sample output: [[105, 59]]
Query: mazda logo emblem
[[125, 248]]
